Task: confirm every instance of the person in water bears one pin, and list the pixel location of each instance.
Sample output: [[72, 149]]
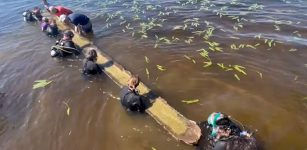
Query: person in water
[[56, 10], [130, 98], [89, 64], [82, 24], [49, 26], [219, 132], [65, 46], [32, 15]]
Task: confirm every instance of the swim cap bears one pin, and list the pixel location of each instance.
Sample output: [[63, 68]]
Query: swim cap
[[63, 18]]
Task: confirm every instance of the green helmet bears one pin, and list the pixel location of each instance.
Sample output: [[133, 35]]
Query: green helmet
[[212, 119]]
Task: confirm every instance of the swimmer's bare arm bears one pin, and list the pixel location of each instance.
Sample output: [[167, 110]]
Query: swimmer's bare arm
[[46, 4]]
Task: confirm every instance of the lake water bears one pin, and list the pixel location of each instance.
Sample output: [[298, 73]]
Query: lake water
[[268, 39]]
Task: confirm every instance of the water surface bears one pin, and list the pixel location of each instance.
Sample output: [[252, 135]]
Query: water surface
[[269, 99]]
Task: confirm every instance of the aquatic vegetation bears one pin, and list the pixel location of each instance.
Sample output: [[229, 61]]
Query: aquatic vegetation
[[146, 59], [161, 68], [240, 69], [67, 108], [150, 21], [277, 27], [255, 7], [147, 73], [260, 74], [270, 42], [189, 58], [237, 77], [41, 83], [189, 40], [192, 101], [207, 64]]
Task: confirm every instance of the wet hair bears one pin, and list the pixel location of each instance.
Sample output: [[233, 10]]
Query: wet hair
[[45, 19], [92, 55], [134, 81], [241, 143], [226, 124], [69, 33]]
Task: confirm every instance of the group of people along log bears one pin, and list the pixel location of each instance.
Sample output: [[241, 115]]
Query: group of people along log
[[218, 132]]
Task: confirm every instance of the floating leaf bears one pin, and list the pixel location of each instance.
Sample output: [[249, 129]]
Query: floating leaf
[[146, 59], [161, 68], [292, 50], [260, 74], [187, 57], [295, 78], [190, 101], [240, 69], [147, 73], [68, 108], [152, 148], [207, 64], [40, 83], [251, 46], [178, 27], [237, 77]]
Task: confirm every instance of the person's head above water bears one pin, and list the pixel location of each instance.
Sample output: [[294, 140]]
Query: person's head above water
[[220, 124], [68, 35], [92, 55], [45, 19], [53, 10], [133, 82]]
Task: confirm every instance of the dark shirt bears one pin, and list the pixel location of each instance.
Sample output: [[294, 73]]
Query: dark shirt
[[131, 100], [206, 142], [90, 67], [68, 48], [78, 19]]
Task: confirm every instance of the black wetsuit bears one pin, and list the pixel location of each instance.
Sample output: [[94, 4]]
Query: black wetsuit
[[131, 100], [206, 142], [52, 30], [90, 67], [28, 16], [31, 17], [67, 47]]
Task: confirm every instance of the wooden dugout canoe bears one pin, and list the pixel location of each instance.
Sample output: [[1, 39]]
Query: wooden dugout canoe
[[176, 124]]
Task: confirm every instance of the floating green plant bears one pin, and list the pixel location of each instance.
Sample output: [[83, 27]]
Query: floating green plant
[[192, 101], [237, 77], [161, 68], [147, 73], [40, 83], [67, 108], [146, 59]]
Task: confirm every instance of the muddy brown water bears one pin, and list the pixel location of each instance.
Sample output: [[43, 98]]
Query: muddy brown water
[[273, 106]]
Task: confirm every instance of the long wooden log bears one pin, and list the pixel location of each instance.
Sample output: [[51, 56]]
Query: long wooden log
[[176, 124]]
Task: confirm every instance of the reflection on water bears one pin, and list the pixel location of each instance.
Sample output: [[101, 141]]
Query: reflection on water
[[267, 39]]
